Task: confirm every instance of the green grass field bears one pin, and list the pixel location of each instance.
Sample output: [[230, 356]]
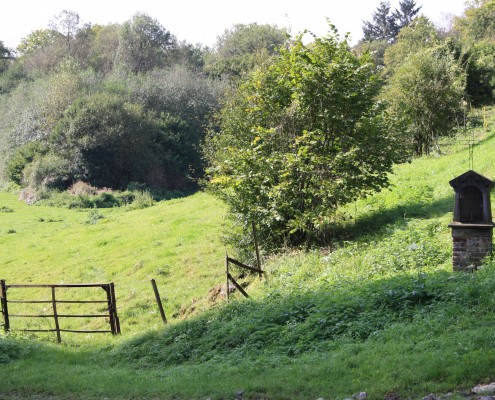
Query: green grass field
[[175, 242], [380, 311]]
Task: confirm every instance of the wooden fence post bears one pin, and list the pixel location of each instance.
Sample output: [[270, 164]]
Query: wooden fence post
[[159, 301], [55, 315], [114, 303], [106, 288], [5, 308]]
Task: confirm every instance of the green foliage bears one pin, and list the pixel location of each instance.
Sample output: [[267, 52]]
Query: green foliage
[[94, 216], [36, 40], [299, 138], [23, 156], [243, 47], [480, 70], [478, 22], [425, 96], [12, 77], [5, 55], [142, 199], [49, 171], [144, 44], [110, 142], [10, 350], [102, 199], [421, 34], [386, 24]]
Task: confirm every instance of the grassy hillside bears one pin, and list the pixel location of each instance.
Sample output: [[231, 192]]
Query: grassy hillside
[[381, 311], [175, 242]]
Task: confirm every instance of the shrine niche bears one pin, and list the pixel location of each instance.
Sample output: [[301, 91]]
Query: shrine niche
[[472, 226]]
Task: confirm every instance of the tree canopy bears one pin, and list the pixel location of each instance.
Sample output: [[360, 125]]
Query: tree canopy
[[299, 138], [386, 24], [242, 47]]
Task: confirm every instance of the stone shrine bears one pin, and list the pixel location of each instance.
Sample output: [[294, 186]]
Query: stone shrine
[[472, 227]]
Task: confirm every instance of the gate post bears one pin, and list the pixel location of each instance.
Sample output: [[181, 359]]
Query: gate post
[[114, 303], [5, 308]]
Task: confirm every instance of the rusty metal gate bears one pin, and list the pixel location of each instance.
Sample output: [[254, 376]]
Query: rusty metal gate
[[109, 301]]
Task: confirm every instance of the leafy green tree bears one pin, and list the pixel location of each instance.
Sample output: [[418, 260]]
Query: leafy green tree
[[243, 47], [480, 69], [180, 92], [101, 55], [299, 138], [144, 44], [478, 22], [108, 141], [376, 49], [425, 96], [420, 34], [36, 40], [23, 156]]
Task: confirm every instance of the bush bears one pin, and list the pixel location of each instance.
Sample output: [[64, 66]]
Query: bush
[[142, 199], [9, 350], [23, 156], [298, 139], [47, 172]]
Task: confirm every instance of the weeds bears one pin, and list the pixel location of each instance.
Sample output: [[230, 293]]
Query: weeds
[[94, 216]]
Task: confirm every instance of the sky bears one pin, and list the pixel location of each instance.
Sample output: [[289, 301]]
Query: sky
[[202, 21]]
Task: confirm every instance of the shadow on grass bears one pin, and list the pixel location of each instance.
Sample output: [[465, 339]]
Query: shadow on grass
[[273, 332], [378, 221]]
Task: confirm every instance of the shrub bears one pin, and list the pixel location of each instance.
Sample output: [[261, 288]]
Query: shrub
[[23, 156], [142, 199], [9, 351], [81, 187], [298, 139], [93, 217]]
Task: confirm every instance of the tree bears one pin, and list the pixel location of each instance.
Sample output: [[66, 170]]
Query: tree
[[67, 24], [144, 44], [406, 13], [420, 34], [5, 56], [299, 138], [104, 47], [382, 26], [40, 52], [36, 40], [106, 140], [478, 22], [385, 24], [243, 47], [425, 96]]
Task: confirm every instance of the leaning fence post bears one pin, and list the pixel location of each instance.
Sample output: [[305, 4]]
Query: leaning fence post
[[5, 308], [159, 301], [55, 315]]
